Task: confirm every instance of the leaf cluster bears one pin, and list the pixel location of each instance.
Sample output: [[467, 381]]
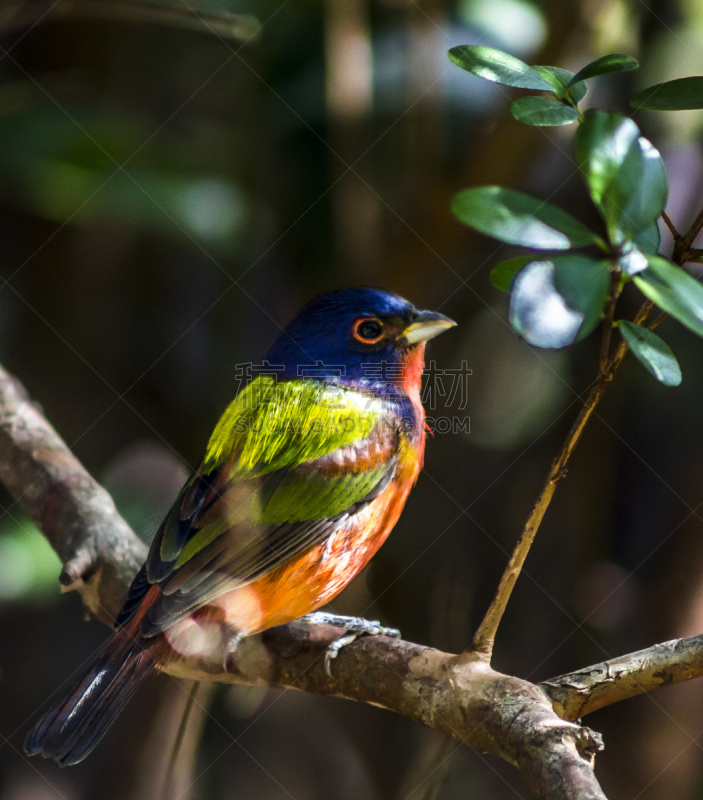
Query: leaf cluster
[[560, 296]]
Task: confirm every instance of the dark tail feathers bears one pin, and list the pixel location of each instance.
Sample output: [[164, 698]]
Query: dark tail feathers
[[80, 719]]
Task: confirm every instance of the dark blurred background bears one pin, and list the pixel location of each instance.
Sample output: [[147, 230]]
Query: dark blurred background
[[170, 196]]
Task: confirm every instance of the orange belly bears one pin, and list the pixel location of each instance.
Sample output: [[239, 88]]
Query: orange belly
[[307, 582]]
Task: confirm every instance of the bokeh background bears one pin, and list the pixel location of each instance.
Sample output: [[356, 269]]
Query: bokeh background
[[170, 196]]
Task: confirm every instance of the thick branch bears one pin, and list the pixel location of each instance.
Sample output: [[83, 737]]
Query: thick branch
[[579, 693], [463, 698], [99, 551]]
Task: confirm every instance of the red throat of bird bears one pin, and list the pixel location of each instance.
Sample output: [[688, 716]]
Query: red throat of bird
[[411, 374], [411, 383]]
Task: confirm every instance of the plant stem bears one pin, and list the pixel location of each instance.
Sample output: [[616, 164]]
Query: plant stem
[[615, 289], [484, 638], [690, 237], [670, 225], [683, 249]]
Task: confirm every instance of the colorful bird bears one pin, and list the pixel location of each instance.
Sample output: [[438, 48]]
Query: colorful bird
[[303, 479]]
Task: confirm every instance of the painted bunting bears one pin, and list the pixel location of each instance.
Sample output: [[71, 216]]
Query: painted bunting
[[303, 479]]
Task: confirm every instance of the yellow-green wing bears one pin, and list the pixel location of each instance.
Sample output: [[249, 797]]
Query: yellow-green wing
[[263, 505]]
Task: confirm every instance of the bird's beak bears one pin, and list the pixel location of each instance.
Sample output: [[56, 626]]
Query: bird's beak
[[426, 325]]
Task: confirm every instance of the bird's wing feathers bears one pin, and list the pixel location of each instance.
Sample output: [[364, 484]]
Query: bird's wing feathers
[[286, 466]]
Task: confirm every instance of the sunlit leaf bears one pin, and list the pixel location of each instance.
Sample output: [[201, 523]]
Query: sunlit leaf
[[542, 111], [557, 301], [653, 352], [625, 176], [502, 274], [538, 312], [499, 67], [549, 75], [678, 95], [602, 145], [644, 194], [674, 291], [606, 65], [517, 218]]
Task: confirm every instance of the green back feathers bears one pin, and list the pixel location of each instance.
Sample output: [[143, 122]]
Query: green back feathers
[[272, 425], [265, 491], [314, 495]]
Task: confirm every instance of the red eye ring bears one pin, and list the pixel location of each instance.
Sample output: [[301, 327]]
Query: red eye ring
[[372, 324]]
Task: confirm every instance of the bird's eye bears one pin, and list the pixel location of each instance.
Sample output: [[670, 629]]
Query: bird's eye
[[368, 330]]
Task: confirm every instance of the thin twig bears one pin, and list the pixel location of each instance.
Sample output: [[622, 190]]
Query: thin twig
[[683, 245], [484, 638], [692, 234], [670, 225], [170, 774], [615, 289], [658, 321]]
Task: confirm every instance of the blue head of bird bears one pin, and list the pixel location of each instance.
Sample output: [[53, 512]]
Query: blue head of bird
[[357, 335]]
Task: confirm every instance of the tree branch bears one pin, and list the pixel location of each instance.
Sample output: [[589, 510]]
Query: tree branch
[[586, 690], [463, 698], [99, 551]]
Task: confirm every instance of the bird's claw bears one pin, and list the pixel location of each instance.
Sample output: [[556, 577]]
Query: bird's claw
[[355, 627], [231, 644]]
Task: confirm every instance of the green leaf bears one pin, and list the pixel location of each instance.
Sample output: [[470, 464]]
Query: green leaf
[[28, 568], [502, 274], [577, 92], [648, 239], [499, 67], [557, 301], [606, 65], [560, 80], [552, 79], [541, 111], [653, 352], [674, 291], [602, 145], [625, 175], [517, 218], [678, 95], [585, 284]]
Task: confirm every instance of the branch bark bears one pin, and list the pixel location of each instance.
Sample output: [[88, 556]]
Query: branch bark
[[586, 690], [461, 696], [99, 551]]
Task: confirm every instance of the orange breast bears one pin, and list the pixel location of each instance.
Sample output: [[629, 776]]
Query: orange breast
[[307, 582]]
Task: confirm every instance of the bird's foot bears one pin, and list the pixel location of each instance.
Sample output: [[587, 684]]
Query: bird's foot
[[355, 627], [233, 638]]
